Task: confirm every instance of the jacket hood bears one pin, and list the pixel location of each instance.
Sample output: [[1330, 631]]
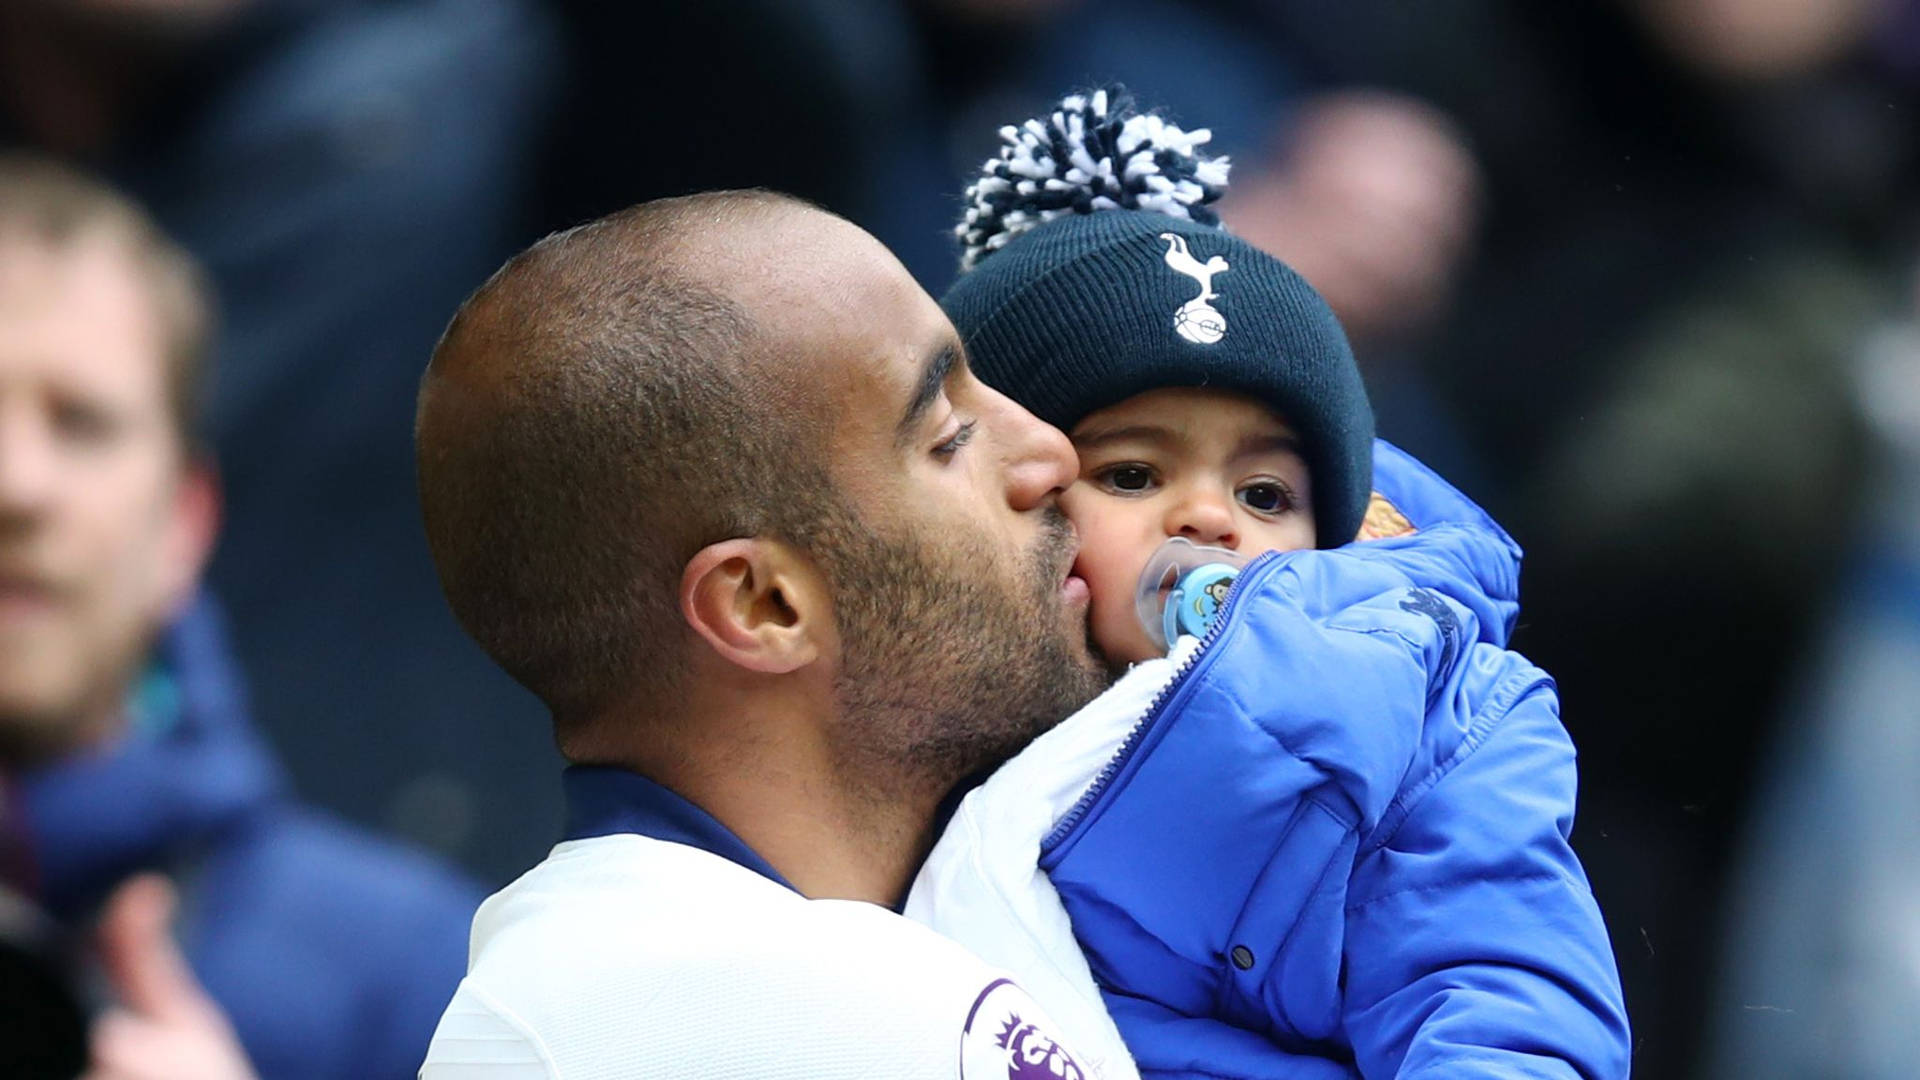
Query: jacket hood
[[1466, 554]]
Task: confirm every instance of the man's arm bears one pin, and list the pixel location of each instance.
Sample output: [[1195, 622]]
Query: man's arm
[[478, 1037]]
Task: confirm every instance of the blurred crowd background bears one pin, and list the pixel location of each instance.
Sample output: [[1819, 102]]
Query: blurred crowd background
[[1639, 275]]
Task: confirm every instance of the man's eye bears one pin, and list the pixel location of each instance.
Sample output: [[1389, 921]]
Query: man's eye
[[84, 423], [1126, 477], [960, 438], [1267, 498]]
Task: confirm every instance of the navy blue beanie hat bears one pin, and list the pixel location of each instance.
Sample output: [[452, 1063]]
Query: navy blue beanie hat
[[1095, 271]]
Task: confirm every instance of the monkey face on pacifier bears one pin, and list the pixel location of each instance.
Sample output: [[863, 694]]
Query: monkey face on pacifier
[[1183, 588]]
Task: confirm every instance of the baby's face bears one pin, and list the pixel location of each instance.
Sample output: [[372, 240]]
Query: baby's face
[[1213, 466]]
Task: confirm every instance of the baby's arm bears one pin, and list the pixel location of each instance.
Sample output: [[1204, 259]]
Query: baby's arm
[[1472, 940]]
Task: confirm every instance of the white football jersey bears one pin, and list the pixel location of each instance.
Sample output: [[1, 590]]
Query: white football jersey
[[623, 956], [982, 886]]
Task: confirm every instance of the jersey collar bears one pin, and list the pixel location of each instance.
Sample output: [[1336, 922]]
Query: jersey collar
[[603, 801]]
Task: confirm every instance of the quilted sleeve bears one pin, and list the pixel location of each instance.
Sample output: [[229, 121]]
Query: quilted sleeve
[[1473, 943]]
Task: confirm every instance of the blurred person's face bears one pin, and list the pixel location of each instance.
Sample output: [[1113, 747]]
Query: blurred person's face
[[104, 524], [1213, 466], [1759, 39], [1375, 203]]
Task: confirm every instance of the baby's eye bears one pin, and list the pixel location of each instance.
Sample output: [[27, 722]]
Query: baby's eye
[[1129, 477], [1267, 497]]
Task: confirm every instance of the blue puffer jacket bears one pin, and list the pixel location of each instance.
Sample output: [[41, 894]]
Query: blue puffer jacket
[[1338, 842]]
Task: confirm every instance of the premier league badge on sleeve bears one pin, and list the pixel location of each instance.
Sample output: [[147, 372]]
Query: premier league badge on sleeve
[[1008, 1037]]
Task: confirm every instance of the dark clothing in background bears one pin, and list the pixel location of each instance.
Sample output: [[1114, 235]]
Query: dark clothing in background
[[332, 951], [670, 99], [348, 172]]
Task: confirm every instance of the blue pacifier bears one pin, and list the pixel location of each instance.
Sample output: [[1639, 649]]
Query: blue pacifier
[[1182, 589]]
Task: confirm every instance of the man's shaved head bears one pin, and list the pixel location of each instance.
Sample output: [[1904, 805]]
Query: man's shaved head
[[606, 405]]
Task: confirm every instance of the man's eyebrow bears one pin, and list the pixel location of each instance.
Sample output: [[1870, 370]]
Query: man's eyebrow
[[933, 378]]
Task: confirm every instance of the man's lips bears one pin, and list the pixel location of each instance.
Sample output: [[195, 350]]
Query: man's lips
[[1074, 589], [25, 594]]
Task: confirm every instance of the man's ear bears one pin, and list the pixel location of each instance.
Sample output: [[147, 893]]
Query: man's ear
[[193, 521], [758, 603]]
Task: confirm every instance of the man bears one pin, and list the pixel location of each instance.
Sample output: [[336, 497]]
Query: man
[[124, 744], [711, 477], [345, 171]]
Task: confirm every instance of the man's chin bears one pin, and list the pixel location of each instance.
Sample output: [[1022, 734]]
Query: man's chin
[[33, 733], [1096, 672], [1098, 661], [1082, 647]]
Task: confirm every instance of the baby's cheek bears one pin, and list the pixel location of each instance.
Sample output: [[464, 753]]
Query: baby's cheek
[[1081, 503], [1112, 579], [1112, 555], [1105, 571]]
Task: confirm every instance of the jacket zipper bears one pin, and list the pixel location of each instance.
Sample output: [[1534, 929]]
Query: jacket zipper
[[1141, 728]]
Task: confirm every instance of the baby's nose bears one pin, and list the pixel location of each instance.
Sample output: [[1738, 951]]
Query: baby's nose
[[1204, 519]]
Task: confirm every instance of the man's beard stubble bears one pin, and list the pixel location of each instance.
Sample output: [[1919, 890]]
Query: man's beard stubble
[[951, 665]]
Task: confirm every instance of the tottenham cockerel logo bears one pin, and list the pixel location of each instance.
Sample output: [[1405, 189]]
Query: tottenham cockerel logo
[[1008, 1036], [1197, 320]]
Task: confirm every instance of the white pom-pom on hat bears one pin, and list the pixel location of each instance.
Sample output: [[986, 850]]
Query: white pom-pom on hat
[[1091, 153]]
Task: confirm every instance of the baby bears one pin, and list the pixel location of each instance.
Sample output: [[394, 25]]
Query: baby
[[1327, 837]]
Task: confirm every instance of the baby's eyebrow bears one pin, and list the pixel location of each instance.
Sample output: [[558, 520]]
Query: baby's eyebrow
[[1254, 445], [1132, 433]]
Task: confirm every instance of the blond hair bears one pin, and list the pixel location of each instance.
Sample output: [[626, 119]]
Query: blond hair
[[48, 202]]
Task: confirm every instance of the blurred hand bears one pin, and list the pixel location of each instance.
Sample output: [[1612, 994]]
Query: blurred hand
[[1374, 203], [165, 1027]]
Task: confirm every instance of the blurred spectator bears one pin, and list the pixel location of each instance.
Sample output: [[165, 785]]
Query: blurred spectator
[[1758, 39], [123, 726], [1371, 197], [1823, 944], [346, 170]]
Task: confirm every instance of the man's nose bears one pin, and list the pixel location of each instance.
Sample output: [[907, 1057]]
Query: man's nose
[[1040, 462], [26, 460], [1203, 516]]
